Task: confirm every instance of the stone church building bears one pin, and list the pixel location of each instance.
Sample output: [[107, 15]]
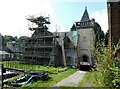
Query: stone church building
[[78, 44], [61, 48]]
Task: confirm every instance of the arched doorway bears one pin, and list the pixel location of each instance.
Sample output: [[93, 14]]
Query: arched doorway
[[85, 58]]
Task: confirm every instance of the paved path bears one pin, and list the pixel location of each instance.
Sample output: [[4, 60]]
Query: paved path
[[72, 80]]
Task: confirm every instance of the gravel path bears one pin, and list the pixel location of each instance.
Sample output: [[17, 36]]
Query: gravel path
[[72, 80]]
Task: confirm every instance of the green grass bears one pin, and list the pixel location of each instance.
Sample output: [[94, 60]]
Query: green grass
[[18, 65], [68, 87], [91, 78], [87, 77], [54, 78]]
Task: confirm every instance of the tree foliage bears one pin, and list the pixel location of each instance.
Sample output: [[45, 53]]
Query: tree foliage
[[107, 66], [73, 28], [10, 40], [22, 41], [99, 34], [106, 38]]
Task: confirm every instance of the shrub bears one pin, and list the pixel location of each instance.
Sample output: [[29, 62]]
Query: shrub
[[107, 66]]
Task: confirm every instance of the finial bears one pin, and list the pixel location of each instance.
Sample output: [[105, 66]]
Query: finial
[[85, 7]]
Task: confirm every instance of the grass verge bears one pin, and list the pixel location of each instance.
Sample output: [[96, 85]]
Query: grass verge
[[87, 78], [54, 78]]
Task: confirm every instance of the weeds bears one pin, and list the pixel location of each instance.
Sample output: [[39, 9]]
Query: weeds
[[107, 72]]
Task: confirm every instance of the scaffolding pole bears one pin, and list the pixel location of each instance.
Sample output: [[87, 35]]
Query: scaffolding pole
[[63, 53]]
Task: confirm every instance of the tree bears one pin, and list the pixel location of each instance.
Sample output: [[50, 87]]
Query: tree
[[99, 34], [8, 38], [22, 40], [73, 28]]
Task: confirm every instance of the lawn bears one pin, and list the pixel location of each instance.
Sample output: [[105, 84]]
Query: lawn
[[54, 78], [88, 78]]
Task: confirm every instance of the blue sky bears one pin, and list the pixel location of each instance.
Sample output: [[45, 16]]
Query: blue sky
[[62, 12], [67, 13]]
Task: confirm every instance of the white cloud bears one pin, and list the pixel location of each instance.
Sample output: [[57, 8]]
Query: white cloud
[[13, 15], [102, 18]]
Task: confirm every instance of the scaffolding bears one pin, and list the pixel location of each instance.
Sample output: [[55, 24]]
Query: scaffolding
[[40, 45]]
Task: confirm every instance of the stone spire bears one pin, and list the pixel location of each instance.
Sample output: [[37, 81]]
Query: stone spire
[[85, 16]]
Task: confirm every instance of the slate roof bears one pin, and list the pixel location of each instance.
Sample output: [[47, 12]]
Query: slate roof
[[9, 49], [85, 16], [70, 35], [12, 49]]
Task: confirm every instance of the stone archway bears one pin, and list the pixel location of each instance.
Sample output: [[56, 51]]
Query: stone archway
[[85, 58]]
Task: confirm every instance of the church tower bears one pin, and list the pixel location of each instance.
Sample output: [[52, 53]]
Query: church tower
[[86, 36]]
